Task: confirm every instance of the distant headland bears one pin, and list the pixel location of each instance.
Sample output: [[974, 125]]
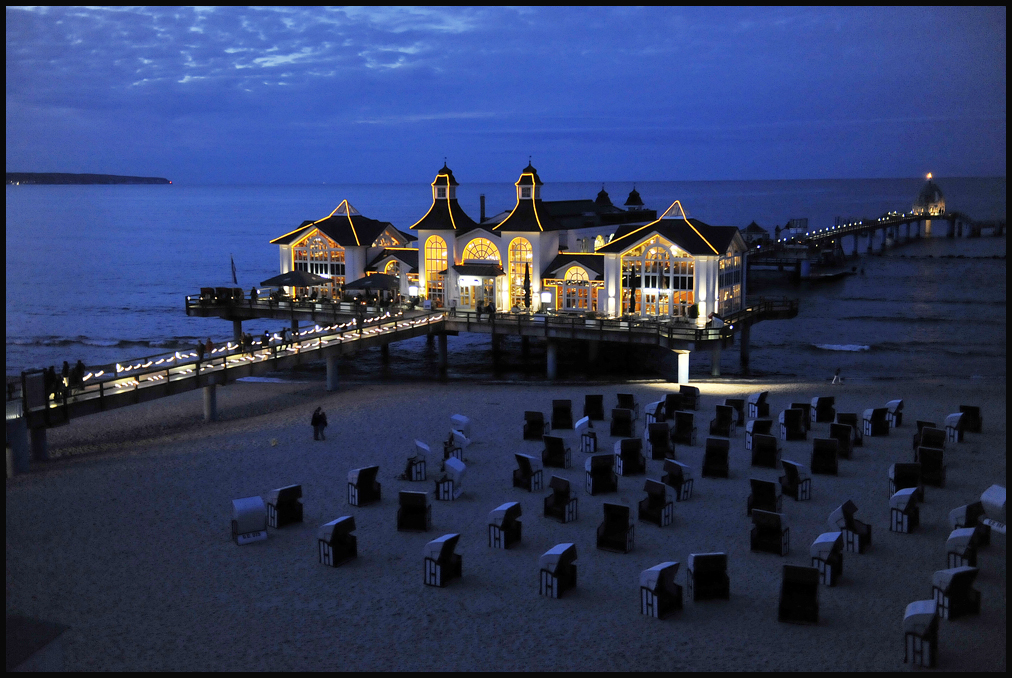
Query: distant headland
[[64, 178]]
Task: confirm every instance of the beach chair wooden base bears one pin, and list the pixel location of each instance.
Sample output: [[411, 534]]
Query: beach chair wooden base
[[949, 609], [901, 522], [552, 586], [853, 542], [921, 650], [588, 442], [498, 538], [279, 517], [246, 537], [447, 491], [337, 557], [660, 606], [967, 558], [441, 574]]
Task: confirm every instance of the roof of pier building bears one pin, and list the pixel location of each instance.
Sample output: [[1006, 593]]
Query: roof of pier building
[[691, 235], [930, 196], [445, 214], [348, 228], [406, 255], [530, 214], [592, 263]]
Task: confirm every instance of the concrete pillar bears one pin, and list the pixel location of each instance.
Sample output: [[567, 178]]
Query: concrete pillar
[[430, 339], [593, 348], [237, 331], [553, 359], [806, 269], [385, 353], [746, 333], [21, 451], [443, 358], [40, 448], [683, 367], [525, 346], [210, 403], [715, 361], [332, 372]]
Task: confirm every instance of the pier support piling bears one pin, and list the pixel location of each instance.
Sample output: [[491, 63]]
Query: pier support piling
[[21, 451], [683, 367], [525, 346], [553, 359], [593, 348], [237, 331], [715, 362], [443, 358], [295, 327], [210, 403], [746, 333], [40, 447], [332, 372], [385, 354]]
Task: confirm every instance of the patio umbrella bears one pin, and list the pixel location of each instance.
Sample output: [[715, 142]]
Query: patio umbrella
[[296, 279], [633, 279], [527, 285], [377, 281]]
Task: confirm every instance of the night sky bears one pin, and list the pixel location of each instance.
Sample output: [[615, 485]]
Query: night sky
[[378, 95]]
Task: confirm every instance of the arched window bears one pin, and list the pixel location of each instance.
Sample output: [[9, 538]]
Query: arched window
[[521, 260], [435, 262], [576, 274], [657, 279], [322, 256], [481, 249], [393, 268]]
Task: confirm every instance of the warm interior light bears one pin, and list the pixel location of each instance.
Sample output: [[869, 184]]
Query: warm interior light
[[546, 297]]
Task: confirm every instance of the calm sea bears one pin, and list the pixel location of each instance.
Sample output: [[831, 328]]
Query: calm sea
[[99, 273]]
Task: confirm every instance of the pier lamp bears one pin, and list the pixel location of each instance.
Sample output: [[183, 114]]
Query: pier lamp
[[546, 297], [413, 290]]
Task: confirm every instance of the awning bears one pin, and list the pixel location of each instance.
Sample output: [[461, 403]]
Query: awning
[[296, 279], [378, 281], [477, 270]]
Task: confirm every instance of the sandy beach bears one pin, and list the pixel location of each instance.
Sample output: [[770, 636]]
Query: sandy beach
[[126, 539]]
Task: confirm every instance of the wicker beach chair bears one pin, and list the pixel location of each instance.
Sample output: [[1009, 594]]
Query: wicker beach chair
[[335, 543], [558, 570], [706, 576], [715, 464], [690, 397], [653, 413], [450, 485], [755, 427], [588, 436], [904, 514], [622, 423], [973, 421], [844, 435], [562, 414], [723, 423], [601, 476], [528, 474], [906, 474], [876, 422], [770, 533], [249, 520], [823, 409], [765, 451], [629, 459], [284, 506], [504, 526], [534, 425], [414, 514], [660, 596], [955, 426], [416, 466], [556, 454], [894, 413], [929, 435], [678, 476], [738, 405], [961, 547], [825, 452], [856, 535], [799, 595], [626, 401], [953, 592], [806, 416], [920, 633], [656, 508], [659, 444], [932, 464], [765, 496], [363, 489], [560, 504], [442, 565], [458, 422], [972, 515], [792, 425], [826, 553], [672, 404], [684, 432], [796, 481], [617, 532], [593, 407], [757, 405], [851, 419]]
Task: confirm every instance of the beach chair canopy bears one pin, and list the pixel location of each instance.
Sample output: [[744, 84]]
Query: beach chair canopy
[[408, 499], [656, 489], [593, 406], [801, 576], [459, 439], [599, 462], [759, 426], [826, 545], [677, 469], [422, 450], [796, 469], [364, 476], [933, 437], [672, 403], [562, 406], [455, 470], [559, 557], [919, 616], [903, 498], [954, 578], [527, 463], [284, 496], [708, 562], [459, 422], [965, 516], [972, 417], [626, 401], [250, 514], [660, 577], [960, 539], [441, 548], [993, 501], [894, 406], [843, 516], [505, 513], [534, 417], [615, 514], [764, 490], [558, 485], [336, 528], [555, 444], [628, 446], [582, 423], [769, 520]]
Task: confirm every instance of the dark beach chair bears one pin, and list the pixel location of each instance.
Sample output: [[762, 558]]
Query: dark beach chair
[[856, 535], [629, 459], [416, 466], [738, 405], [656, 508], [875, 422], [654, 412], [362, 486], [556, 454], [504, 526], [534, 425], [284, 506], [622, 423], [972, 515], [528, 474], [593, 407], [559, 504], [930, 437], [723, 423], [601, 476], [955, 426], [799, 595], [757, 405], [757, 427], [765, 451], [715, 463], [413, 512], [827, 557], [588, 436], [806, 417], [616, 532], [825, 453], [672, 404], [249, 520], [685, 429], [894, 413], [678, 476], [562, 414], [904, 513], [335, 542], [851, 419], [906, 474], [558, 570], [442, 565], [626, 401], [765, 496], [770, 533], [660, 596], [707, 578], [659, 441], [961, 547], [450, 485], [844, 435], [823, 409], [920, 633], [690, 397], [932, 465], [973, 421], [792, 425], [953, 592], [921, 425], [796, 481]]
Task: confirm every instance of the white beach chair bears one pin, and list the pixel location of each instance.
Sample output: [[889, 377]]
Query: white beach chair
[[827, 556], [920, 633], [904, 514], [249, 520], [588, 436], [961, 547], [557, 570], [504, 526], [335, 542], [954, 427], [894, 415], [459, 422], [660, 596], [450, 486], [442, 565]]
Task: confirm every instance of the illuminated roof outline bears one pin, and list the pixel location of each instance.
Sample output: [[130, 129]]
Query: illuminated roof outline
[[444, 214]]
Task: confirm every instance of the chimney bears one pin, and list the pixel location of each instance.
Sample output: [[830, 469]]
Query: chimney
[[482, 218]]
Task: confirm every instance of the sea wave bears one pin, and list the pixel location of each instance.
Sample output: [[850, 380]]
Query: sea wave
[[843, 347]]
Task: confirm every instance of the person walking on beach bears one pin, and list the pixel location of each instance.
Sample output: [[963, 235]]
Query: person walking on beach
[[836, 377], [319, 422]]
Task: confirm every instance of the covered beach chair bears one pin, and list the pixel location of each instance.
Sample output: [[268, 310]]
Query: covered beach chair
[[770, 533], [672, 404], [932, 461], [765, 496], [972, 421], [706, 576], [601, 476], [856, 535], [844, 435], [904, 514], [765, 451], [529, 474], [799, 595], [824, 456], [993, 501], [972, 515], [450, 485], [823, 409], [806, 414], [894, 413], [738, 405], [562, 414], [723, 423], [556, 454], [953, 592], [792, 425], [660, 596], [715, 464], [558, 570], [920, 633], [249, 520], [416, 467], [442, 565], [534, 425], [458, 422], [827, 556], [679, 477], [588, 436], [929, 435], [906, 474], [684, 432], [850, 418], [616, 532], [755, 427], [876, 422], [284, 506], [504, 526], [622, 422], [656, 508], [629, 459], [362, 486], [335, 542], [593, 407], [414, 514], [757, 405], [954, 427], [796, 481], [455, 446], [690, 397], [626, 401], [961, 547], [659, 444], [653, 412], [560, 504]]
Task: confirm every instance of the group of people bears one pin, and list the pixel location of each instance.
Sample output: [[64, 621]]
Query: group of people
[[489, 310], [69, 379]]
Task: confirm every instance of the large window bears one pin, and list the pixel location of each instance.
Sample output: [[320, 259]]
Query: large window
[[657, 279], [320, 255], [481, 249], [577, 291], [729, 284], [521, 260], [435, 262]]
